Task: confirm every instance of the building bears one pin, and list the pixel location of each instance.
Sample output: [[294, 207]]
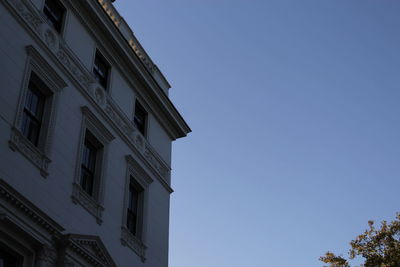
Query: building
[[86, 128]]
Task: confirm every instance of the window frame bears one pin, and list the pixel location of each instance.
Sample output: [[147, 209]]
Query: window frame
[[52, 84], [102, 137], [90, 142], [137, 175], [139, 106], [30, 115], [18, 258], [59, 29], [99, 54], [138, 214]]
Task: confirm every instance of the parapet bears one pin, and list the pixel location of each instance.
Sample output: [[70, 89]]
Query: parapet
[[137, 48]]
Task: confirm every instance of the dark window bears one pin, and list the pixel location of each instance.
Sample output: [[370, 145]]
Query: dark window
[[101, 69], [9, 259], [140, 118], [88, 165], [33, 110], [54, 12], [134, 208]]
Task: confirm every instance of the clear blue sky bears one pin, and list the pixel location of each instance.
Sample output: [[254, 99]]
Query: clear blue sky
[[295, 112]]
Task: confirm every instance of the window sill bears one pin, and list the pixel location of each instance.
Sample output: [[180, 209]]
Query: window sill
[[31, 152], [131, 241], [79, 196]]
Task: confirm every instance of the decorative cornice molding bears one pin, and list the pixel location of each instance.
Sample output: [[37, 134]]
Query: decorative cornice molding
[[55, 82], [91, 248], [110, 10], [85, 82], [76, 71], [137, 48], [137, 171], [22, 204], [23, 145], [117, 117], [169, 116], [157, 162], [103, 133]]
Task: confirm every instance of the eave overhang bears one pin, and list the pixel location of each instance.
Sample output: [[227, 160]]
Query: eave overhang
[[132, 55]]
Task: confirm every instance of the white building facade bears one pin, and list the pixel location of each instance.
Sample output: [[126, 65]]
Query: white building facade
[[86, 129]]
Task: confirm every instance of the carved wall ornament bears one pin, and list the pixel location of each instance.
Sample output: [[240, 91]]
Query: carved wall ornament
[[139, 141], [46, 256], [25, 12], [124, 125], [84, 79], [49, 36], [98, 93], [162, 169], [18, 142]]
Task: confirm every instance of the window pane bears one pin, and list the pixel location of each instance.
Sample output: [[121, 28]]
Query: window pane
[[87, 179], [89, 156], [55, 9], [88, 164], [101, 69], [140, 118], [8, 260], [30, 128], [35, 101], [133, 199], [85, 156], [100, 79], [134, 207], [54, 12], [131, 222], [33, 113]]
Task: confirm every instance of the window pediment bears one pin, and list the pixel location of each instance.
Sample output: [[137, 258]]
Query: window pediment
[[91, 248]]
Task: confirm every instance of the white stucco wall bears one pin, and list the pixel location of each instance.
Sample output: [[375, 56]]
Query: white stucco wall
[[79, 40], [38, 3], [122, 93], [159, 139], [53, 194]]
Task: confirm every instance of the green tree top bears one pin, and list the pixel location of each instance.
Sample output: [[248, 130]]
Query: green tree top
[[380, 247]]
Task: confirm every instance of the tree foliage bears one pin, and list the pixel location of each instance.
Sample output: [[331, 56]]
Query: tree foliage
[[379, 247]]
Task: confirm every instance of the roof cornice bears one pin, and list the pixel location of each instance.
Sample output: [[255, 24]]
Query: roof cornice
[[136, 60]]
